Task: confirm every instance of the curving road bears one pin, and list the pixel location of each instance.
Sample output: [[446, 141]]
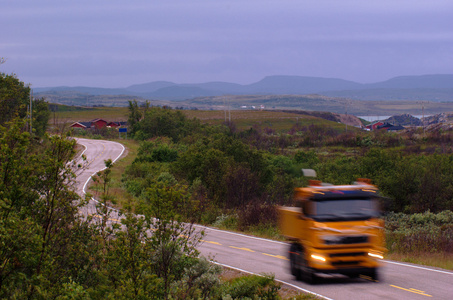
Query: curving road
[[256, 255], [95, 152]]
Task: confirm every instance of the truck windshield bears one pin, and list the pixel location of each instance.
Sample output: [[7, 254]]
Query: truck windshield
[[345, 209]]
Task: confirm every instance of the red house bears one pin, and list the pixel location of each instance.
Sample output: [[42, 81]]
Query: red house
[[375, 125], [116, 124], [113, 124], [83, 125], [98, 123], [390, 127]]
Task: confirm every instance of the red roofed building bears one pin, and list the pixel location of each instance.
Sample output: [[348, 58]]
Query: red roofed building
[[116, 124], [83, 125], [375, 125], [98, 123]]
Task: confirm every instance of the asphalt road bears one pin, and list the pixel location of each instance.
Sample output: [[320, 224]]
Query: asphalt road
[[256, 255], [398, 280], [96, 153]]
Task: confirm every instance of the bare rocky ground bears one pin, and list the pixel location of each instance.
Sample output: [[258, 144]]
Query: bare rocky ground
[[442, 121], [349, 120], [443, 118]]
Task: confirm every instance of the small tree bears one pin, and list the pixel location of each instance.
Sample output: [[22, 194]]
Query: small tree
[[129, 261], [134, 116], [14, 98], [174, 243], [38, 215]]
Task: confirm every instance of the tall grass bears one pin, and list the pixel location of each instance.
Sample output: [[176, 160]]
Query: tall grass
[[422, 238], [422, 232]]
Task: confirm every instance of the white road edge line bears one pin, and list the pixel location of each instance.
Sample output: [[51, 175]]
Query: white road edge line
[[88, 180], [240, 234], [281, 281], [83, 152], [285, 243], [417, 267]]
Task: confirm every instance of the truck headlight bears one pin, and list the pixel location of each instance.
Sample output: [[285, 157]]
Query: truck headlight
[[318, 257], [376, 254]]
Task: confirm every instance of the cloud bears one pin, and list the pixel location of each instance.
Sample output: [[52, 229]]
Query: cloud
[[239, 41]]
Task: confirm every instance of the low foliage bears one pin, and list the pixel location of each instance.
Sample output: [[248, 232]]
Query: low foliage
[[252, 287], [420, 233], [15, 102], [48, 250], [234, 178]]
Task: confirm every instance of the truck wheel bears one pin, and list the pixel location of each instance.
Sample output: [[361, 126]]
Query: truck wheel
[[292, 263], [373, 274], [310, 277], [294, 250], [307, 273], [294, 259]]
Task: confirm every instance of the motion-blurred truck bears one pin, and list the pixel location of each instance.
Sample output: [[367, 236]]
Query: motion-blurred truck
[[334, 229]]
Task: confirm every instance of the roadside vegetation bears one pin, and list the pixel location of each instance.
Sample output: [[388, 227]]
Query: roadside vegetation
[[257, 165], [48, 250], [236, 177], [182, 170]]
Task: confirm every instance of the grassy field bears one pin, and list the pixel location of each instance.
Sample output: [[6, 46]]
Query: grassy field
[[439, 260], [243, 119], [88, 114], [322, 103], [123, 198]]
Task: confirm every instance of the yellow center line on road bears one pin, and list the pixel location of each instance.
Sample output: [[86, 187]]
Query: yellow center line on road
[[368, 278], [100, 217], [276, 256], [245, 249], [412, 290], [102, 152], [211, 242], [99, 155], [417, 290]]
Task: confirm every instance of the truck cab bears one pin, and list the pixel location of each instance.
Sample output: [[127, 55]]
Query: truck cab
[[334, 229]]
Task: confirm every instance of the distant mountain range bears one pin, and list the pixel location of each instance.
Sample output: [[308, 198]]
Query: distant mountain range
[[425, 87]]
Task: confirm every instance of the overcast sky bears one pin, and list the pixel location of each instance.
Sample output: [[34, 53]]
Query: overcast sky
[[113, 43]]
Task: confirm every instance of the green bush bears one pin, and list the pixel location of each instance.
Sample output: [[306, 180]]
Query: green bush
[[159, 150], [252, 287], [420, 232], [226, 221], [200, 280]]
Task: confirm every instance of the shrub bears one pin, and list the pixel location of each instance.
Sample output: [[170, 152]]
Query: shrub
[[252, 287], [257, 213], [420, 232], [200, 280]]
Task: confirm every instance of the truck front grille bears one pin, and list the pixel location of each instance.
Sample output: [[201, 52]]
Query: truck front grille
[[347, 254], [345, 240], [345, 263]]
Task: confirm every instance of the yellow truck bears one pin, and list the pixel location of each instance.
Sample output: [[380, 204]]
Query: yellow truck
[[334, 229]]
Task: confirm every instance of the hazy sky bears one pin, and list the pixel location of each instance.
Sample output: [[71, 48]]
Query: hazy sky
[[112, 43]]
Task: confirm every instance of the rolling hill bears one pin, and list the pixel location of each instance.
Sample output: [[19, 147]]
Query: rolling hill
[[436, 88]]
